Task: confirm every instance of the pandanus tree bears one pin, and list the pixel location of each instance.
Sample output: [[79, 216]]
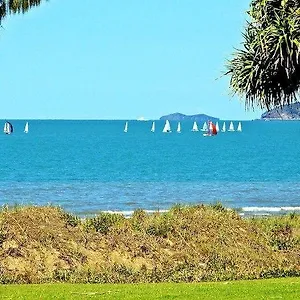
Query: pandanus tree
[[16, 6], [266, 71]]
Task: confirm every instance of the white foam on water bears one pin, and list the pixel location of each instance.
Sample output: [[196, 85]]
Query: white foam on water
[[154, 211], [122, 212], [257, 210], [290, 208], [270, 208], [130, 212]]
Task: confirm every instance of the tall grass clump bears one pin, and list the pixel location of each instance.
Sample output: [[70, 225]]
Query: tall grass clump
[[185, 244]]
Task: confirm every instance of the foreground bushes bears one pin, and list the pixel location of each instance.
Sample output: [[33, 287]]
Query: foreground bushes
[[46, 244]]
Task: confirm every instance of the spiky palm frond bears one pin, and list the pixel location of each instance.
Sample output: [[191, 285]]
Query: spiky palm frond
[[16, 6], [267, 71]]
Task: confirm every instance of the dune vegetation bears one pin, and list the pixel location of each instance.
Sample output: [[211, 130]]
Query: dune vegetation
[[185, 244]]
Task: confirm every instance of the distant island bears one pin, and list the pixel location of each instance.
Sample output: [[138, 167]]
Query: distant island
[[286, 112], [182, 117]]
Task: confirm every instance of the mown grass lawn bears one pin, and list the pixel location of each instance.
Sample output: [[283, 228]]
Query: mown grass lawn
[[286, 288]]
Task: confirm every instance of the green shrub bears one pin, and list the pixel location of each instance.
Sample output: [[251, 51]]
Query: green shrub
[[138, 219], [70, 219], [103, 222], [218, 207], [281, 237], [160, 226]]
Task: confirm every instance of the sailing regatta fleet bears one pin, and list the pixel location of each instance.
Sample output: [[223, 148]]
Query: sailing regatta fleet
[[209, 128], [9, 129]]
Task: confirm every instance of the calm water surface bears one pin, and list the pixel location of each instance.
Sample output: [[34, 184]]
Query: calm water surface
[[88, 166]]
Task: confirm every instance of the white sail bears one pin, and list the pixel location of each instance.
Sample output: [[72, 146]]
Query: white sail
[[126, 127], [195, 126], [153, 127], [231, 127], [224, 127], [179, 127], [26, 127], [204, 128], [217, 127], [167, 127], [7, 128], [239, 128]]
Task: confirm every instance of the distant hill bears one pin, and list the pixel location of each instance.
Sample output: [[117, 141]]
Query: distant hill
[[287, 112], [182, 117]]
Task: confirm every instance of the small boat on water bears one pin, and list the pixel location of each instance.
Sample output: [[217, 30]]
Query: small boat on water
[[204, 127], [178, 128], [195, 126], [26, 129], [217, 127], [212, 130], [8, 128], [231, 127], [153, 127], [224, 127], [141, 119], [167, 127], [126, 127], [239, 128]]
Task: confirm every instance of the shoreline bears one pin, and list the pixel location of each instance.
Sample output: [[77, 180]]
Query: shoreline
[[247, 211], [255, 211], [243, 211]]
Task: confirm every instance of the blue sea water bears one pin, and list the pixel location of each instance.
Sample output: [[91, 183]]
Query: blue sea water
[[92, 166]]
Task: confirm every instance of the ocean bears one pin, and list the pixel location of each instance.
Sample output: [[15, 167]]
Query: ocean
[[92, 166]]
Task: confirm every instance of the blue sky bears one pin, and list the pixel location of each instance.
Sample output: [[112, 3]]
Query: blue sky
[[121, 59]]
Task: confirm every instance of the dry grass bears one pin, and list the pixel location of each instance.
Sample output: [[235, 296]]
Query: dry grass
[[186, 244]]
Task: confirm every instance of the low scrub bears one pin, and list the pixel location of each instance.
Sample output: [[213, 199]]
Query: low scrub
[[185, 244]]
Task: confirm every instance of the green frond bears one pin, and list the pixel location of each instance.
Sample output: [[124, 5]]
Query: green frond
[[266, 72], [16, 6]]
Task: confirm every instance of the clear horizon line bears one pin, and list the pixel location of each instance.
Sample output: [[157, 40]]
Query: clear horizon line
[[113, 119]]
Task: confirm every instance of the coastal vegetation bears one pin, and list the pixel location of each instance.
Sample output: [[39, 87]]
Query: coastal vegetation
[[266, 71], [16, 6], [185, 244]]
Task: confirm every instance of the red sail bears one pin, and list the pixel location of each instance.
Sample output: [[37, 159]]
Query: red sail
[[214, 129]]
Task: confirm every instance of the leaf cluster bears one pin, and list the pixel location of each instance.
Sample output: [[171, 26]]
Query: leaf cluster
[[267, 70], [16, 6]]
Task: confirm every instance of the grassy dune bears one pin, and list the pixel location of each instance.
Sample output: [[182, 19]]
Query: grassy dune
[[186, 244], [287, 288]]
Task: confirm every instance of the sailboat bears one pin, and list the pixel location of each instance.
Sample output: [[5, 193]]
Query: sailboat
[[212, 130], [217, 127], [167, 127], [8, 128], [224, 127], [126, 127], [26, 127], [153, 127], [179, 128], [239, 128], [231, 127], [195, 126], [5, 127], [204, 128]]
